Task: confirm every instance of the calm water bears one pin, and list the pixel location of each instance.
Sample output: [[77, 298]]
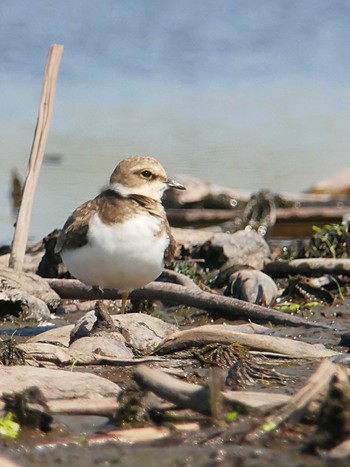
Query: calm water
[[248, 94]]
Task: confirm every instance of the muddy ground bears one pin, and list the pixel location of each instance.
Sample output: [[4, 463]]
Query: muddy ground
[[80, 441]]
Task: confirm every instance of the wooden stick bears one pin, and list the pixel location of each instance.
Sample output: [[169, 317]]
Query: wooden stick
[[308, 267], [190, 296], [218, 334], [195, 397], [316, 385], [36, 156], [84, 406]]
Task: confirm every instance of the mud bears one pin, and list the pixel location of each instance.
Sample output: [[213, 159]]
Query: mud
[[81, 441]]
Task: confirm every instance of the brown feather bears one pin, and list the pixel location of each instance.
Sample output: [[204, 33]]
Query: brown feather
[[170, 251], [111, 207], [74, 231]]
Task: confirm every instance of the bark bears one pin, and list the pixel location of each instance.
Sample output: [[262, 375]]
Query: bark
[[192, 396], [308, 267], [224, 306], [204, 335]]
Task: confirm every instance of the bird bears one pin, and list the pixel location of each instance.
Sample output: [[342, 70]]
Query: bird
[[121, 239]]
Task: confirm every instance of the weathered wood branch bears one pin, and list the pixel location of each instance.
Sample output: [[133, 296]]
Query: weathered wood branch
[[180, 295], [84, 406], [316, 385], [180, 217], [36, 156], [204, 335], [192, 396], [308, 267]]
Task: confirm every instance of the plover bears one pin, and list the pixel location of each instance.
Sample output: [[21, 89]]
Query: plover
[[121, 239]]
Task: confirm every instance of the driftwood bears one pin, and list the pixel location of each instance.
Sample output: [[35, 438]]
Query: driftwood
[[129, 436], [147, 434], [335, 185], [308, 267], [36, 156], [200, 217], [341, 451], [84, 406], [195, 297], [315, 387], [307, 215], [203, 194], [50, 353], [190, 396], [204, 335]]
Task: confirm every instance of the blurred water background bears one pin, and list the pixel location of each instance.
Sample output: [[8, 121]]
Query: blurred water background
[[245, 93]]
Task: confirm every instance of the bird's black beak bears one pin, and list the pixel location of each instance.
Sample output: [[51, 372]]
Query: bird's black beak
[[173, 184]]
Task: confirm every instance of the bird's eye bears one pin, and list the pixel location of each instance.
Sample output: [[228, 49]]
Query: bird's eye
[[146, 174]]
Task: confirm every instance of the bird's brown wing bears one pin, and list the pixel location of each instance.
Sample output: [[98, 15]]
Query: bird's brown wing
[[75, 230], [169, 253]]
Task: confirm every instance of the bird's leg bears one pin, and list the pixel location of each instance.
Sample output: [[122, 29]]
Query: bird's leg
[[124, 299]]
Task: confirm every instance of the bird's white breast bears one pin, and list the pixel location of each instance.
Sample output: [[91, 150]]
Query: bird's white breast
[[125, 255]]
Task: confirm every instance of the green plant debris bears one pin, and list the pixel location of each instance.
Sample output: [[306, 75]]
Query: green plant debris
[[328, 241], [311, 304], [82, 440], [194, 270], [340, 289], [9, 428], [269, 426], [77, 360], [231, 416], [292, 307]]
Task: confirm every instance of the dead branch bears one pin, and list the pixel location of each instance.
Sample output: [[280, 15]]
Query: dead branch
[[180, 295], [341, 451], [184, 395], [84, 406], [316, 386], [181, 217], [186, 217], [36, 156], [308, 267], [203, 335], [150, 433], [129, 436], [178, 278], [44, 352], [192, 396]]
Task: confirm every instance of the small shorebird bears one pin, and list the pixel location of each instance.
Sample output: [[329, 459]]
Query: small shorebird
[[121, 239]]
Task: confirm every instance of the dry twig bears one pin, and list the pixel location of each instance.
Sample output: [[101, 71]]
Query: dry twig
[[316, 385], [192, 396], [308, 267], [36, 156], [204, 335], [190, 296]]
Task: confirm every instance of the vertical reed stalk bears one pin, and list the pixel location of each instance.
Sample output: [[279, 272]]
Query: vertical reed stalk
[[20, 236]]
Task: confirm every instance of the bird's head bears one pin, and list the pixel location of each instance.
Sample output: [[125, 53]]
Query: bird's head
[[141, 175]]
